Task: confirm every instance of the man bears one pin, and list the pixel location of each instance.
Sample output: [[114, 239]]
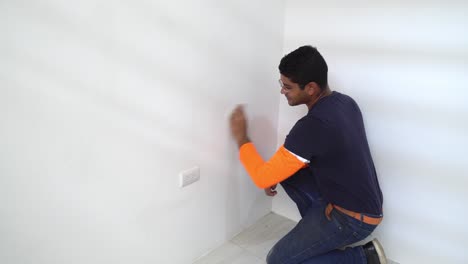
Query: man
[[324, 165]]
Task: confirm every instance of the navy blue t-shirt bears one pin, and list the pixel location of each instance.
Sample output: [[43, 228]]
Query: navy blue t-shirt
[[332, 137]]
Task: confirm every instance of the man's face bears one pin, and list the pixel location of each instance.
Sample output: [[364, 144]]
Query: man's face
[[293, 93]]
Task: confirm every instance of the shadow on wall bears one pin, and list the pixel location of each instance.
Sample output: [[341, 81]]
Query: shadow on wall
[[261, 131], [139, 62], [403, 55]]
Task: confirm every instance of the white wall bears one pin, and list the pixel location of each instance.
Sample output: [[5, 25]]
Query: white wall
[[407, 67], [103, 103]]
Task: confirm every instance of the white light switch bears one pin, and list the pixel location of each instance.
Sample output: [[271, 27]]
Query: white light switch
[[189, 176]]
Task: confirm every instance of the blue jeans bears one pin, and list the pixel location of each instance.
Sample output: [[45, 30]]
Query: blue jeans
[[317, 239]]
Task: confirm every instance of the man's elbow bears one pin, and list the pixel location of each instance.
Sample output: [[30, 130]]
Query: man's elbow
[[261, 184], [260, 180]]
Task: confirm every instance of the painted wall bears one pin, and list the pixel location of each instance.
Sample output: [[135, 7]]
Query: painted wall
[[103, 103], [406, 64]]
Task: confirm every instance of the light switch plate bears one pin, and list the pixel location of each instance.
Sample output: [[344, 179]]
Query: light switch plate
[[189, 176]]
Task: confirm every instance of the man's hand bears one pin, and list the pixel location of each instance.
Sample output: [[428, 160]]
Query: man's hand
[[271, 191], [239, 126]]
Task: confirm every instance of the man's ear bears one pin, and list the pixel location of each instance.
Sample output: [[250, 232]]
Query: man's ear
[[312, 88]]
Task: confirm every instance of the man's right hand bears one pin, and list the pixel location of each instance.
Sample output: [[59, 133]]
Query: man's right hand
[[271, 191]]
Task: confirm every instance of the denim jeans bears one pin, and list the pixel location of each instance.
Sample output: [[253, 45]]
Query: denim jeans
[[317, 239]]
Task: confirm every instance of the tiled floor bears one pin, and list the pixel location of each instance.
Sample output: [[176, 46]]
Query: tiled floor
[[253, 244]]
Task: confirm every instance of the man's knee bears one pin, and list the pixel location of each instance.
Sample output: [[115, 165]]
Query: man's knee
[[272, 257]]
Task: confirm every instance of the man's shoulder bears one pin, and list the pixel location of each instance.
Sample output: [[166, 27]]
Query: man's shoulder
[[310, 121], [333, 105], [344, 98]]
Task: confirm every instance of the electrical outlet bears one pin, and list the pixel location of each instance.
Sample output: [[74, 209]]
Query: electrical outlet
[[189, 176]]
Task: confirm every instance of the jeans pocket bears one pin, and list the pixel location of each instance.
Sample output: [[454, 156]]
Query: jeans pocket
[[336, 220], [359, 231], [360, 226]]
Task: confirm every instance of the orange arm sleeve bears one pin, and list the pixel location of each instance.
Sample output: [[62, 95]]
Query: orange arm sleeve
[[282, 165]]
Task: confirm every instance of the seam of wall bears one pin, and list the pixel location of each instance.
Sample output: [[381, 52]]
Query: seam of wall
[[283, 44], [278, 115]]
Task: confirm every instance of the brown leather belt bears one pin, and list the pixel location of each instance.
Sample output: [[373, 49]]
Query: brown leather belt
[[361, 217]]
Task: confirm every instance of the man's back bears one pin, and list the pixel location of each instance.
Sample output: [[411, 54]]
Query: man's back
[[332, 137]]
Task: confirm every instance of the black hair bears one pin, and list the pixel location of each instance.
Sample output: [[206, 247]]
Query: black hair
[[305, 65]]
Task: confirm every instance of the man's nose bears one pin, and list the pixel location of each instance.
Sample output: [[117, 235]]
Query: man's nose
[[282, 91]]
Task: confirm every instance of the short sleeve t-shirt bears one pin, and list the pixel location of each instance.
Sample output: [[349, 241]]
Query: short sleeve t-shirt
[[332, 137]]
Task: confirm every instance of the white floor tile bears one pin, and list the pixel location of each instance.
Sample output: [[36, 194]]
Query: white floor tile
[[260, 237], [229, 253]]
